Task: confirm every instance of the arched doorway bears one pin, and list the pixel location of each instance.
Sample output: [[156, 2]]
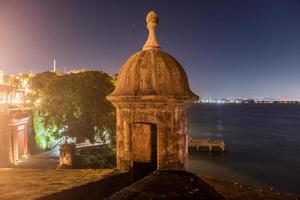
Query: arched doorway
[[144, 149]]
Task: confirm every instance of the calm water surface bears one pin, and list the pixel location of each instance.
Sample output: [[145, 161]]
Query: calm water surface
[[263, 143]]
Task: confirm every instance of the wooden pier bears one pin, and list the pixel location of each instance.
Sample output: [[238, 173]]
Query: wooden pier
[[203, 144]]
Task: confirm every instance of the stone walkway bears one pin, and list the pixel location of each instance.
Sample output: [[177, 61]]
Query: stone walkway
[[168, 185], [29, 184], [50, 159], [45, 160]]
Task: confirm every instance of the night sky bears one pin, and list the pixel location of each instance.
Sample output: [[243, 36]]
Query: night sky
[[228, 48]]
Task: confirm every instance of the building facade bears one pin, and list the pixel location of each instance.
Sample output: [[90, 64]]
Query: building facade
[[14, 123]]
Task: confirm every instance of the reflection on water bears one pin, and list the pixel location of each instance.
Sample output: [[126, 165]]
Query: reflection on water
[[210, 164], [262, 143]]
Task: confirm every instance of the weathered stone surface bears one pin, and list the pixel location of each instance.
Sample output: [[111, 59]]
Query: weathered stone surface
[[29, 184], [151, 98], [168, 185], [153, 72], [67, 153]]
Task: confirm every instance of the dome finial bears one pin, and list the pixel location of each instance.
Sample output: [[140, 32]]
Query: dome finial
[[152, 23]]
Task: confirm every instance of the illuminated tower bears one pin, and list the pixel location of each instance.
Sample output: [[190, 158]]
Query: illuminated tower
[[54, 65], [151, 97]]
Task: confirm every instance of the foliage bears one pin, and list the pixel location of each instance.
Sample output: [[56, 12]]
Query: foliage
[[96, 158], [75, 104], [21, 80], [45, 138], [38, 84], [15, 82], [40, 81], [114, 79]]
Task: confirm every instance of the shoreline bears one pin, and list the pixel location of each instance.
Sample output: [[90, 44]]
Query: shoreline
[[233, 190], [211, 169], [206, 168]]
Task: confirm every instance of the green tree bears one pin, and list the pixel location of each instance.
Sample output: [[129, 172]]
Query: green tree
[[21, 80], [41, 80], [76, 104], [15, 82], [45, 138], [38, 85], [46, 134]]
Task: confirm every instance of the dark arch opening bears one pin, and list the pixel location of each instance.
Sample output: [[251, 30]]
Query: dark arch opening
[[143, 149]]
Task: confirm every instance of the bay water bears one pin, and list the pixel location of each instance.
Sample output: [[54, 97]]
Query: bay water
[[262, 143]]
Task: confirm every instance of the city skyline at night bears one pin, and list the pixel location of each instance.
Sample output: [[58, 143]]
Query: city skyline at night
[[228, 49]]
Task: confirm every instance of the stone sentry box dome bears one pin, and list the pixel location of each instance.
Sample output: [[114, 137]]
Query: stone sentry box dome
[[151, 97]]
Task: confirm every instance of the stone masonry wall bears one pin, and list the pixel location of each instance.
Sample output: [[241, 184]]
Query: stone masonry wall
[[171, 135]]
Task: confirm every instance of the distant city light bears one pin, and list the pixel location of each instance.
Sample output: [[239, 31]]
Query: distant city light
[[249, 100]]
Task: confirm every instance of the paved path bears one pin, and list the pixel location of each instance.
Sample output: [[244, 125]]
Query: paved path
[[29, 184], [168, 185], [50, 159], [45, 160]]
